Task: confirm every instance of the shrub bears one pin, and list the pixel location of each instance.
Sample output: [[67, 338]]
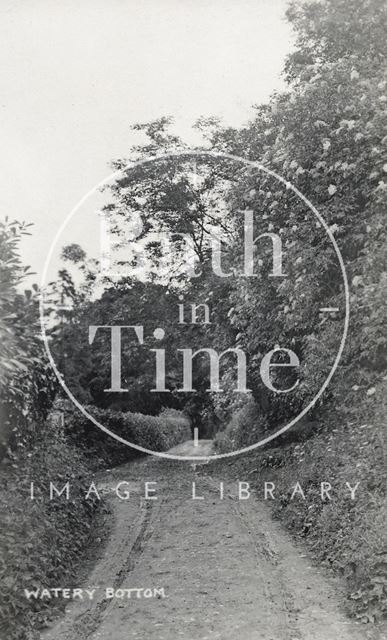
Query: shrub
[[247, 426], [156, 433], [347, 536], [40, 540], [26, 383]]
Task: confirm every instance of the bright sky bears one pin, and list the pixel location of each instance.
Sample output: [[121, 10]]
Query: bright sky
[[75, 75]]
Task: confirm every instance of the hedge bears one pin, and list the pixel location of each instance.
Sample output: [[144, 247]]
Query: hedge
[[156, 433], [40, 540]]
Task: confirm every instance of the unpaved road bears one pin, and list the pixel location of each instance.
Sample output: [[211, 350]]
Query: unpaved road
[[228, 571]]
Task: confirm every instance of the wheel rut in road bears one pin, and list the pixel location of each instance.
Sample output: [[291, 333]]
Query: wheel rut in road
[[226, 569]]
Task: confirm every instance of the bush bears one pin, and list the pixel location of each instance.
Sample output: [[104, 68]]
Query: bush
[[26, 383], [347, 536], [156, 433], [247, 426], [40, 540]]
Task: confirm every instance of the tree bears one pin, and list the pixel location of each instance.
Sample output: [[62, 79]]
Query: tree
[[327, 135]]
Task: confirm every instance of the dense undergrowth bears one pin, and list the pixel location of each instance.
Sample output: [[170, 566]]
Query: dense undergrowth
[[40, 540], [348, 536]]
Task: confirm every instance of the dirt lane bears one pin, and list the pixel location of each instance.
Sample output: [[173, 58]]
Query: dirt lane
[[227, 570]]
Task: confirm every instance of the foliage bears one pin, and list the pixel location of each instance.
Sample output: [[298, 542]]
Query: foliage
[[348, 537], [87, 368], [156, 433], [40, 541], [26, 385], [327, 135], [327, 31], [246, 427]]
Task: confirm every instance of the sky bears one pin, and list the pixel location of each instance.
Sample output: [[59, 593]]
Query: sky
[[76, 75]]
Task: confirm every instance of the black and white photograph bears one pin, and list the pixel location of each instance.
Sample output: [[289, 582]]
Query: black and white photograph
[[193, 335]]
